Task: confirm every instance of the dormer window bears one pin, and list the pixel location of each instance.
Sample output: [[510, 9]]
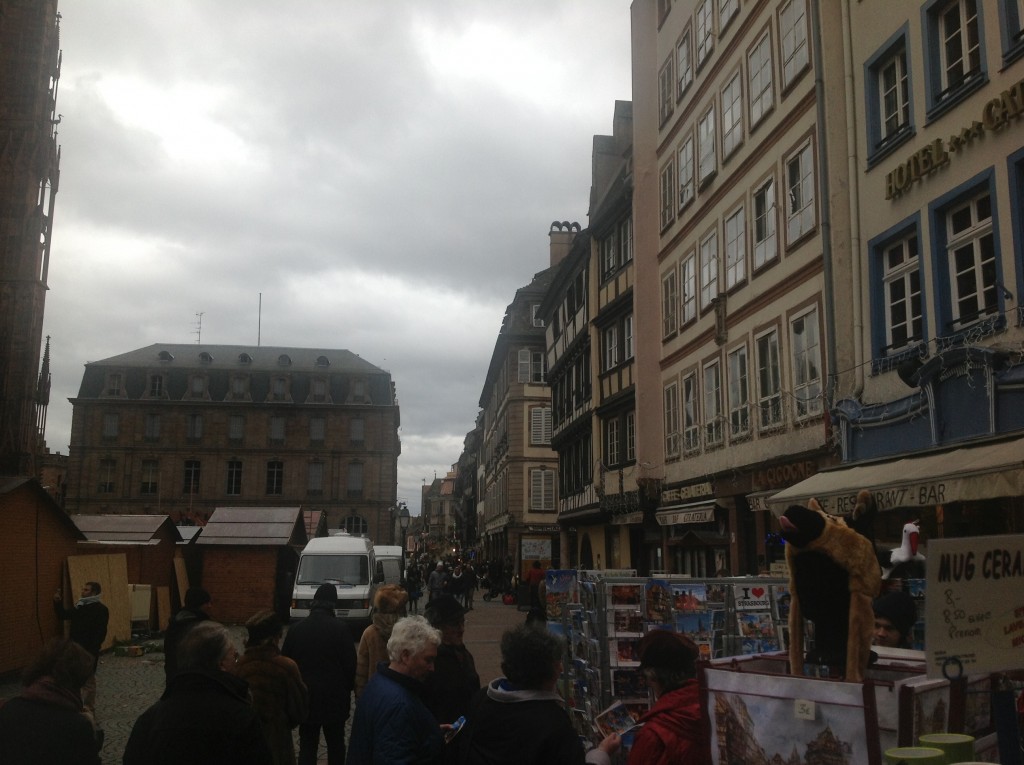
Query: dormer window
[[284, 360], [279, 389], [205, 358], [165, 356], [244, 358], [322, 361], [156, 386], [115, 384], [318, 390], [197, 385]]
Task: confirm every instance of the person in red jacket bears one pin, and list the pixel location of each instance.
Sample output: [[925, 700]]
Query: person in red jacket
[[672, 732]]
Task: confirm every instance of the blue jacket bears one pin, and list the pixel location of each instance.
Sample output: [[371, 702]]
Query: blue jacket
[[392, 724]]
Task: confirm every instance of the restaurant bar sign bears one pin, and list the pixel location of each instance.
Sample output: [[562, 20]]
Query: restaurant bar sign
[[914, 495], [677, 517], [995, 115]]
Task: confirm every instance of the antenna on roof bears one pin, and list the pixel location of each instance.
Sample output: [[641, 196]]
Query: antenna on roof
[[259, 321], [199, 327]]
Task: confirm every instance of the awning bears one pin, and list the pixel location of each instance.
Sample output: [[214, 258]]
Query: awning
[[695, 512], [984, 471]]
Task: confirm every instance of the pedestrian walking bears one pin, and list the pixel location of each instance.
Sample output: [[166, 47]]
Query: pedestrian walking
[[437, 582], [388, 607]]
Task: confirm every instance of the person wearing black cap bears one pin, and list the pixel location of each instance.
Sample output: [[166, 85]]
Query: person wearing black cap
[[196, 610], [895, 614], [454, 679], [671, 730], [323, 648]]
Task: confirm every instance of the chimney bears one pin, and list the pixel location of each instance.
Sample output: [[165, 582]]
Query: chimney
[[562, 235]]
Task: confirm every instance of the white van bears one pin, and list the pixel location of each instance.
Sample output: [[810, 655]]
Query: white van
[[390, 563], [347, 562]]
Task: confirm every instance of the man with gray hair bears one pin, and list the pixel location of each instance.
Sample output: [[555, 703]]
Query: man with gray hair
[[205, 716], [392, 722]]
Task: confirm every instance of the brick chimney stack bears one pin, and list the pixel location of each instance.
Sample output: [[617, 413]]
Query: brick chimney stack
[[562, 235]]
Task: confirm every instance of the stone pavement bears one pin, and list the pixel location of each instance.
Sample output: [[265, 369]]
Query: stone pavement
[[127, 685]]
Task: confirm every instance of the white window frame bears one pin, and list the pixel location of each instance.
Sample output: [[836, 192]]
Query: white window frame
[[735, 248], [684, 62], [612, 445], [111, 425], [193, 427], [627, 338], [765, 212], [685, 160], [707, 161], [609, 258], [704, 30], [540, 425], [714, 432], [669, 303], [233, 482], [152, 425], [668, 193], [315, 477], [666, 89], [275, 478], [626, 240], [800, 193], [236, 427], [760, 90], [769, 379], [793, 33], [901, 288], [805, 340], [955, 72], [739, 392], [150, 483], [691, 413], [671, 406], [630, 436], [534, 317], [893, 94], [610, 342], [688, 284], [971, 253], [542, 489], [726, 10], [709, 267], [732, 115]]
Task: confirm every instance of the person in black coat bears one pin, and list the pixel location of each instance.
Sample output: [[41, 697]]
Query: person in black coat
[[196, 610], [323, 648], [205, 716], [46, 724], [454, 680], [88, 627]]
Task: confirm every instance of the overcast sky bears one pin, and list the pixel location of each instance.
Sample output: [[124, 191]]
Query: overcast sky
[[384, 173]]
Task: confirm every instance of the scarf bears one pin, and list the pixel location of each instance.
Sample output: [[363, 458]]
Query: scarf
[[87, 600]]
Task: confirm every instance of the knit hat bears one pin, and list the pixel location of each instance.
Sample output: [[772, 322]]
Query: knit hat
[[899, 608], [326, 594], [663, 649], [196, 597], [444, 609]]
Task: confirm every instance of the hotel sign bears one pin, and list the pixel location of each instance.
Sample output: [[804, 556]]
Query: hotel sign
[[995, 115]]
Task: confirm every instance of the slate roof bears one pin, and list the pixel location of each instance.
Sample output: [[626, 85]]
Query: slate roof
[[262, 358], [255, 526]]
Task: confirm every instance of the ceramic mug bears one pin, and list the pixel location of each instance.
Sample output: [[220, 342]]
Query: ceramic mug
[[959, 747], [915, 755]]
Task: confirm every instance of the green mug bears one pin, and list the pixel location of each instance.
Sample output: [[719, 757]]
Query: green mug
[[959, 747], [915, 755]]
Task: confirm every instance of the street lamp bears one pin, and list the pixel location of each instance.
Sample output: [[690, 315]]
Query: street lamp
[[403, 525]]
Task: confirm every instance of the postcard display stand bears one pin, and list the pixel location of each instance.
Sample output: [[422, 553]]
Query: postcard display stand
[[605, 618]]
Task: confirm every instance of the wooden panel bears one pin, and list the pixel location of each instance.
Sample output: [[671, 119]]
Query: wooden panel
[[163, 607]]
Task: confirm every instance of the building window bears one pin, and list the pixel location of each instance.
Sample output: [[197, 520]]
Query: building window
[[197, 386], [739, 393], [194, 427], [1012, 29], [152, 426], [275, 477], [156, 386], [279, 389], [793, 33], [669, 303], [800, 194], [612, 446], [150, 477], [357, 430], [668, 193], [671, 420], [666, 90], [609, 257], [355, 480], [769, 380], [315, 478], [732, 116], [626, 240], [277, 430], [765, 249], [535, 318], [627, 338], [684, 63], [806, 364], [531, 366], [735, 249], [317, 429], [234, 483], [971, 260], [114, 384], [708, 270], [708, 161], [688, 270], [542, 489], [705, 30], [691, 423], [611, 348], [190, 485], [686, 171], [759, 77], [356, 525], [888, 99], [901, 288], [713, 430], [111, 424], [631, 437], [236, 427], [239, 387], [954, 51], [318, 390], [540, 425], [726, 10], [106, 476]]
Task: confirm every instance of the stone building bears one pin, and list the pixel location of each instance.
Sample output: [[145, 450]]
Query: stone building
[[184, 429]]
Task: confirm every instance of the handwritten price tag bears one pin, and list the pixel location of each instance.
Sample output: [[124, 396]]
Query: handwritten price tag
[[803, 709]]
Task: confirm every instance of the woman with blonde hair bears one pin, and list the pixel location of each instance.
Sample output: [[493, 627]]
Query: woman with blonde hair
[[389, 605]]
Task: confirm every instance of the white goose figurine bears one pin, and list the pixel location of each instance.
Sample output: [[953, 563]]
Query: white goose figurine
[[906, 555]]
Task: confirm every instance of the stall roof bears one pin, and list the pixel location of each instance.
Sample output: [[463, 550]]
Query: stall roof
[[247, 526], [987, 470], [124, 529], [316, 522]]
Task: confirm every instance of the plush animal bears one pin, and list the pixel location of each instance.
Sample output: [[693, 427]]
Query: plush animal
[[905, 562], [833, 577]]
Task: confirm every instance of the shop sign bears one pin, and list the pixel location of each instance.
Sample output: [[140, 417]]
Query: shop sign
[[974, 612], [536, 548], [995, 115], [917, 495], [782, 476], [678, 517], [683, 493], [627, 518], [748, 597]]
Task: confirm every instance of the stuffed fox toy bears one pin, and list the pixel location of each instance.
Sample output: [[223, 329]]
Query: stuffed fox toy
[[833, 577]]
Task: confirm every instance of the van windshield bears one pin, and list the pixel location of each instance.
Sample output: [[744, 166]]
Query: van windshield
[[344, 570]]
